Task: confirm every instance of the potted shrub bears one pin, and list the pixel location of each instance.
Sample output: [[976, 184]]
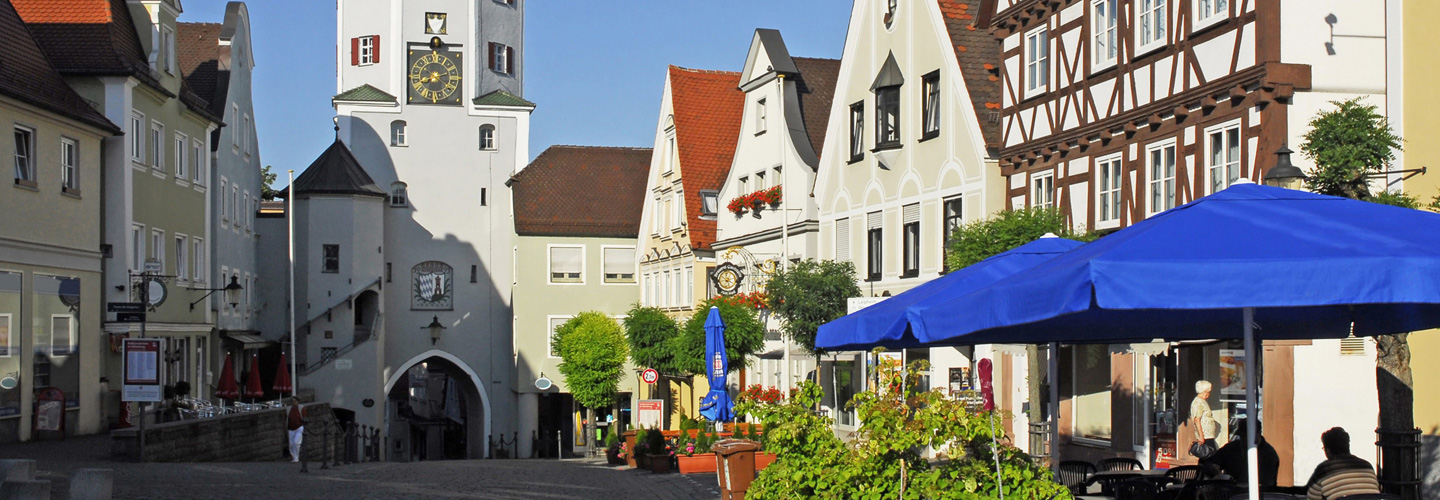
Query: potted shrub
[[642, 448], [693, 456], [614, 452], [658, 452]]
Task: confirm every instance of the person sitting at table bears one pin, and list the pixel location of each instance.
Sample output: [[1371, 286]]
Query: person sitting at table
[[1341, 474], [1231, 458]]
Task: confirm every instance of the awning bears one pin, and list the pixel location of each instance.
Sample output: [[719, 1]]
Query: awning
[[249, 339]]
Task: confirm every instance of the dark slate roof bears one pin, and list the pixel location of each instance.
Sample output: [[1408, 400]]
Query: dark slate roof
[[502, 98], [582, 191], [364, 92], [979, 54], [89, 37], [817, 91], [780, 60], [197, 46], [26, 75], [336, 171]]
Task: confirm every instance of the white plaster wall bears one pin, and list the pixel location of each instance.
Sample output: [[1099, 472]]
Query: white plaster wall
[[1354, 30], [1333, 390]]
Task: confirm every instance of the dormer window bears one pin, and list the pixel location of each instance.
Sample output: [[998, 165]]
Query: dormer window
[[760, 117], [709, 203], [887, 104], [166, 57]]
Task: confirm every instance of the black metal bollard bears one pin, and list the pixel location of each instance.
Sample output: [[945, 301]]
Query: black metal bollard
[[324, 450], [304, 464]]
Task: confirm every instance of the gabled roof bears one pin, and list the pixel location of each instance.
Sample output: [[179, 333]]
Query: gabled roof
[[582, 191], [817, 91], [775, 50], [89, 37], [502, 98], [197, 46], [708, 108], [979, 54], [364, 93], [336, 171], [25, 74]]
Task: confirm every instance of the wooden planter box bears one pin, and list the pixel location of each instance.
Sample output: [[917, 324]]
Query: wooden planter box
[[659, 464], [629, 445], [701, 463], [763, 460]]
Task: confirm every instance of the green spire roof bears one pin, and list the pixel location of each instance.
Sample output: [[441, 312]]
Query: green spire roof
[[364, 93], [502, 98]]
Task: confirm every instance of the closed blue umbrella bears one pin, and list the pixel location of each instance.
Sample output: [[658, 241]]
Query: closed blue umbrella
[[716, 405], [1248, 262], [887, 324]]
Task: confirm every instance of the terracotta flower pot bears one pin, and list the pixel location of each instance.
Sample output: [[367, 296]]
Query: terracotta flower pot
[[763, 460], [700, 463], [659, 464], [613, 457], [630, 447], [642, 461]]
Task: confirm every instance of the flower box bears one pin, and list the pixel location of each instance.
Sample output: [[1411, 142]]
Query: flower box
[[659, 464], [629, 447], [763, 460], [700, 463]]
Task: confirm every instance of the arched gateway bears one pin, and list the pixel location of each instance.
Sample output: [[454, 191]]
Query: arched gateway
[[436, 409]]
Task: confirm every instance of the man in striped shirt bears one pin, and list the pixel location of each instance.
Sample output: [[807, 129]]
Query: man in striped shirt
[[1341, 474]]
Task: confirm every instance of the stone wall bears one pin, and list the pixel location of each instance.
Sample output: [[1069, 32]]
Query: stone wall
[[258, 436]]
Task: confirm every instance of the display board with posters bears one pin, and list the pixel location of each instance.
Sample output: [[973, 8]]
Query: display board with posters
[[142, 370], [1232, 371], [651, 411]]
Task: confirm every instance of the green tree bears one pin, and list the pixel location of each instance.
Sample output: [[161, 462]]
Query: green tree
[[809, 294], [267, 184], [652, 338], [981, 239], [1347, 144], [744, 334], [592, 353]]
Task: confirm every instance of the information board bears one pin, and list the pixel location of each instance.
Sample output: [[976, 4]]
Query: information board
[[142, 370], [651, 411], [50, 410]]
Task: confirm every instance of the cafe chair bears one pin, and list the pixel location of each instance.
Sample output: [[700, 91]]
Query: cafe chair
[[1371, 496], [1119, 464], [1076, 475], [1185, 473], [1109, 481]]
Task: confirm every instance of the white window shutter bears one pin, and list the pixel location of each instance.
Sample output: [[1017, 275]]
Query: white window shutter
[[842, 240], [912, 213]]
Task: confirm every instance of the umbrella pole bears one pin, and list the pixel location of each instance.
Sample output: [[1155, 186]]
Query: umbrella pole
[[1252, 412], [1054, 378]]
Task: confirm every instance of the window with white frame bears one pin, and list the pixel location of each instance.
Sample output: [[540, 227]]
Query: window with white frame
[[689, 287], [24, 155], [1107, 192], [709, 203], [677, 291], [234, 130], [887, 117], [857, 131], [197, 254], [648, 298], [930, 105], [760, 116], [1104, 32], [1090, 379], [953, 210], [137, 137], [69, 165], [760, 183], [397, 133], [674, 213], [366, 44], [874, 246], [619, 264], [487, 137], [670, 155], [181, 145], [157, 246], [182, 247], [1161, 159], [1153, 19], [1222, 146], [910, 235], [167, 49], [664, 289], [224, 199], [555, 323], [567, 264], [1211, 10], [1042, 189], [398, 195], [1037, 61], [249, 211], [157, 145], [197, 162], [235, 198], [245, 134], [137, 247], [501, 58]]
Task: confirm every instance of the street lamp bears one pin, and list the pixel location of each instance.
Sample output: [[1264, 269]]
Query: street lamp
[[1284, 174], [435, 329], [232, 293]]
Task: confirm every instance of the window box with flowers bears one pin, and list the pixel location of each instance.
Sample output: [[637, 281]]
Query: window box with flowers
[[755, 201]]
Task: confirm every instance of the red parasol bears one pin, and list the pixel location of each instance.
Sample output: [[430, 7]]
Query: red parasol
[[282, 377], [228, 389], [252, 381]]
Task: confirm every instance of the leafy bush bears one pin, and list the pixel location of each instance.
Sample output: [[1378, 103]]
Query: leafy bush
[[653, 338], [980, 239], [1348, 143], [883, 459], [808, 294]]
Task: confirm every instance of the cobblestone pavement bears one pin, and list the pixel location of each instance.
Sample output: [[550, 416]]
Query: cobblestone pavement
[[461, 479]]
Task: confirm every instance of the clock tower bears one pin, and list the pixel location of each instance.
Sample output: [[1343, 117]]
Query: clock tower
[[430, 102]]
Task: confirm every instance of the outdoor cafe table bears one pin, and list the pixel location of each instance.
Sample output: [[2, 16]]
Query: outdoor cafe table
[[1141, 473]]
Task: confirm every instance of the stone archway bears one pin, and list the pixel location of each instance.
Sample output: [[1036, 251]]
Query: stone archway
[[471, 390]]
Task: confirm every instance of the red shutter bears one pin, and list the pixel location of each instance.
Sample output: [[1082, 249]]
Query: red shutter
[[354, 51], [509, 60], [375, 49], [490, 49]]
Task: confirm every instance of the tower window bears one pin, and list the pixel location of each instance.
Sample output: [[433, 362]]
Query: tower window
[[397, 133], [487, 137]]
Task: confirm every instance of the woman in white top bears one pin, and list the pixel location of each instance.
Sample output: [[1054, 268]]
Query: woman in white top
[[1202, 420]]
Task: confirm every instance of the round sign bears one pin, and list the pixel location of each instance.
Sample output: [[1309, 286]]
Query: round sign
[[8, 383], [650, 376], [543, 384], [157, 292]]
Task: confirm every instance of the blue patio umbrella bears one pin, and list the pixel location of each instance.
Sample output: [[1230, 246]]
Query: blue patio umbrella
[[887, 324], [716, 404], [1246, 263]]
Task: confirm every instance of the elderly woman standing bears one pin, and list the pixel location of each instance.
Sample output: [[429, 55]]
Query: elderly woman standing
[[1202, 420]]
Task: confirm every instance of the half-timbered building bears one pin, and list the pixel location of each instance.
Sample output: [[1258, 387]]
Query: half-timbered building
[[1115, 110]]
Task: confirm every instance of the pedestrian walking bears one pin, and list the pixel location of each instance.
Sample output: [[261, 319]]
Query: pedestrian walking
[[1202, 421], [296, 425]]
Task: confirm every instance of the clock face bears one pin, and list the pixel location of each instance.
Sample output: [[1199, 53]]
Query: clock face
[[728, 278], [434, 76]]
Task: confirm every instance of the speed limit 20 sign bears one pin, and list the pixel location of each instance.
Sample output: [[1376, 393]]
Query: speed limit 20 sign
[[650, 376]]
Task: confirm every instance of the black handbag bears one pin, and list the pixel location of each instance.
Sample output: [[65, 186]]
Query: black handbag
[[1203, 450]]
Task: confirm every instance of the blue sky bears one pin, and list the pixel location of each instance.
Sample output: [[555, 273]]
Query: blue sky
[[594, 68]]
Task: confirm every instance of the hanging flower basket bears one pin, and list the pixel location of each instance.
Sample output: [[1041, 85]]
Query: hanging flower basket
[[771, 196], [738, 205]]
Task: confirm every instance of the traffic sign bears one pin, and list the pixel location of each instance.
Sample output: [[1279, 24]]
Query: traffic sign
[[650, 376], [125, 307], [129, 317]]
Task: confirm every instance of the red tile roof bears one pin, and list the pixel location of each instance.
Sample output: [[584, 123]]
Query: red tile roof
[[708, 106], [978, 52], [197, 46], [65, 11], [91, 37], [26, 75], [582, 191]]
